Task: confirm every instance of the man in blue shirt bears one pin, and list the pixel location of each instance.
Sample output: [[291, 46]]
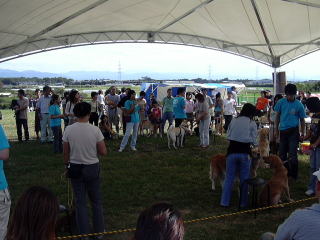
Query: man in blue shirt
[[289, 112], [179, 105], [5, 200]]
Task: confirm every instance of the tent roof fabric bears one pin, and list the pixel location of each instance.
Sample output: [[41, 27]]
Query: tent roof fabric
[[273, 32]]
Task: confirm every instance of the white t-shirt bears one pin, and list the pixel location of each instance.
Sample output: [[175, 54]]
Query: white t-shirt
[[229, 106], [83, 139], [100, 99]]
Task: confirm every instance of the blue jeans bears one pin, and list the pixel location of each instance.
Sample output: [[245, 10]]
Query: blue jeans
[[45, 126], [130, 126], [289, 140], [88, 183], [167, 116], [314, 166], [237, 163]]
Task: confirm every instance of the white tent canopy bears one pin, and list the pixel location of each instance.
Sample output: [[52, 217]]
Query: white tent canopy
[[273, 32]]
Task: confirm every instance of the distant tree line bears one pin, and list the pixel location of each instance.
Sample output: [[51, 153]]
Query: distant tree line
[[36, 81], [312, 86]]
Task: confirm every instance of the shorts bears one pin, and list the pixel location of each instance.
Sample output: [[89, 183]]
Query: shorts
[[190, 116]]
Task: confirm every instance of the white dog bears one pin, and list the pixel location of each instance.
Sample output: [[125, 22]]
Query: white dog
[[177, 134]]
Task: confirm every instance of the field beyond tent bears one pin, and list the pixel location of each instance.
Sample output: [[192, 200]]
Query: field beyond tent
[[132, 181]]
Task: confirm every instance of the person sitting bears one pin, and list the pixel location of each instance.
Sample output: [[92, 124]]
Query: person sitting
[[105, 127], [302, 224], [155, 118], [35, 216], [160, 222]]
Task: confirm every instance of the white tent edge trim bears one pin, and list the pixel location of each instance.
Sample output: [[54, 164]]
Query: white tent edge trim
[[108, 37]]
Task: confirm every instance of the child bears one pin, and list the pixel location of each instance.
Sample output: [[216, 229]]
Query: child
[[313, 104], [190, 108], [95, 106], [155, 118], [105, 127], [55, 123]]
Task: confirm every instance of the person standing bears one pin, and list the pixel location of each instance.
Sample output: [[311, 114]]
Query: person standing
[[55, 123], [131, 109], [112, 100], [123, 98], [242, 132], [167, 104], [22, 115], [179, 105], [141, 101], [313, 104], [43, 108], [74, 98], [37, 126], [82, 143], [203, 118], [218, 112], [101, 101], [95, 106], [5, 200], [190, 108], [229, 110], [289, 112], [234, 94]]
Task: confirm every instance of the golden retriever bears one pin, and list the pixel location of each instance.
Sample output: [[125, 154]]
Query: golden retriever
[[277, 185]]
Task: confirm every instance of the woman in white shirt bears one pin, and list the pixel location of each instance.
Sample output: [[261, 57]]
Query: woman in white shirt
[[82, 143], [74, 98]]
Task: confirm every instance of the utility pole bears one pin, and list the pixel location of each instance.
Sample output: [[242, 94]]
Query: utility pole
[[119, 71]]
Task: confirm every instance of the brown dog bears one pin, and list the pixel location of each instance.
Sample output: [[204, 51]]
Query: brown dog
[[263, 145], [218, 169], [277, 185]]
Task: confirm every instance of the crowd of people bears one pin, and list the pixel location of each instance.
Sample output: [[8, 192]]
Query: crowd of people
[[114, 109], [88, 123]]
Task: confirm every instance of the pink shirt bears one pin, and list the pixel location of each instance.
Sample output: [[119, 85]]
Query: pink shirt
[[189, 106]]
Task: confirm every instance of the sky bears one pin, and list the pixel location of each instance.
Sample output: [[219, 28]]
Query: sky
[[160, 58]]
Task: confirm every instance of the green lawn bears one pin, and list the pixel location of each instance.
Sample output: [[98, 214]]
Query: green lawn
[[132, 181]]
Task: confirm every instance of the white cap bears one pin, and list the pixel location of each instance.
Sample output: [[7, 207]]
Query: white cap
[[317, 174]]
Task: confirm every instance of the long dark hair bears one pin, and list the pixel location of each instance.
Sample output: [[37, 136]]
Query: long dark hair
[[248, 110], [160, 222], [276, 99], [54, 98], [35, 216], [72, 96]]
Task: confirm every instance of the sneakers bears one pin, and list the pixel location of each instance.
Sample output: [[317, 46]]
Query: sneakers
[[120, 150], [309, 192], [133, 149]]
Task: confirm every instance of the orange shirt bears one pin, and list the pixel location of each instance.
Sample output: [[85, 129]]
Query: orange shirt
[[262, 103]]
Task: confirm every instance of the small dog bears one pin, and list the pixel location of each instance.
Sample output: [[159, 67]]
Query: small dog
[[277, 185], [177, 134], [218, 169], [146, 125]]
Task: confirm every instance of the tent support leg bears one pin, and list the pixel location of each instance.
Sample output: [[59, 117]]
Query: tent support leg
[[274, 81]]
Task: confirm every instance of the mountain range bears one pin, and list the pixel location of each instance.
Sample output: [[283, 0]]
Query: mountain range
[[92, 75]]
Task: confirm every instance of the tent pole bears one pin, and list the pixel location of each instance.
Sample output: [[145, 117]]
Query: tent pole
[[274, 81]]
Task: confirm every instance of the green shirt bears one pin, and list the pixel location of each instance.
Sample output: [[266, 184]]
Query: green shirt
[[168, 104]]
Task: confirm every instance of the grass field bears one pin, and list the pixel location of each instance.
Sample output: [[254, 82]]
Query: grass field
[[132, 181]]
